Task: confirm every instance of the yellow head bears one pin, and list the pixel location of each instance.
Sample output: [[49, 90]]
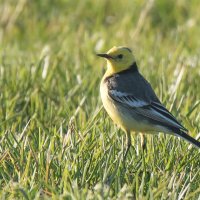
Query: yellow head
[[118, 59]]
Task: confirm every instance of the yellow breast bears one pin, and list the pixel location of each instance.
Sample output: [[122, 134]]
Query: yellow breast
[[110, 107]]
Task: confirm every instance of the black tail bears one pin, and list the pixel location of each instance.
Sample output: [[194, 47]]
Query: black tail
[[186, 137]]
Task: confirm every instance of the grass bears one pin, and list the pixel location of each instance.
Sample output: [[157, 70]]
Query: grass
[[56, 141]]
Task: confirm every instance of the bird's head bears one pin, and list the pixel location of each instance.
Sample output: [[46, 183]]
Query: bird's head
[[118, 59]]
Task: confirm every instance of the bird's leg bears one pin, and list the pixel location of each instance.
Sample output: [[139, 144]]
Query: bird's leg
[[143, 141], [144, 147], [128, 143]]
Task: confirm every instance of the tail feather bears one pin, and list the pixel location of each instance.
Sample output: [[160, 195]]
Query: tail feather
[[185, 136]]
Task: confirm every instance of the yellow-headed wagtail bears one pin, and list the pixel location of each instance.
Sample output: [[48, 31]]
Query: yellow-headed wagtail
[[130, 100]]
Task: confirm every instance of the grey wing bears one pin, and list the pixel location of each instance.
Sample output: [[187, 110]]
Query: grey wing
[[144, 102]]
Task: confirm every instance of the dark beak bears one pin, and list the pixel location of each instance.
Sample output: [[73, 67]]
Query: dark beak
[[104, 55]]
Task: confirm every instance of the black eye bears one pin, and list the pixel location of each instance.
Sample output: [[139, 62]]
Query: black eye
[[120, 56]]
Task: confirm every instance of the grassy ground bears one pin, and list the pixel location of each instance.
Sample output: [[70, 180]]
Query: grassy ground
[[56, 141]]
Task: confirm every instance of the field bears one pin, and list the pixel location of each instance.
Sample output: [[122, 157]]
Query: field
[[56, 140]]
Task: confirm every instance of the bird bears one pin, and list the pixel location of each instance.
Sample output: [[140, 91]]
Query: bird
[[131, 102]]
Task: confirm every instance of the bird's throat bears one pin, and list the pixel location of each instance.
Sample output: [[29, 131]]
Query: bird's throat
[[111, 69]]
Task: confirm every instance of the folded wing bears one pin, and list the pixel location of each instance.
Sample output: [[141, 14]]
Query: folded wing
[[152, 110]]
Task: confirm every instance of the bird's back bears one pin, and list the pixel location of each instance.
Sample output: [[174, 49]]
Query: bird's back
[[130, 81]]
